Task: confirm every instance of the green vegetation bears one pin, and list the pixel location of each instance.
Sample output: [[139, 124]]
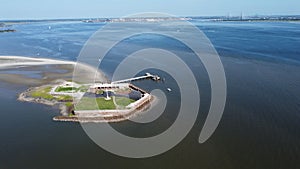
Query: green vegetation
[[42, 93], [83, 89], [69, 104], [71, 89], [122, 102], [64, 98], [66, 89], [95, 104], [71, 115]]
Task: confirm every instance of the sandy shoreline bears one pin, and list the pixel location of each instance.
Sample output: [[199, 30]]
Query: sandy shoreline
[[14, 61], [21, 62]]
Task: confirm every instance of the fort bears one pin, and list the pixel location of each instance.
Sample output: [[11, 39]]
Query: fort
[[98, 102]]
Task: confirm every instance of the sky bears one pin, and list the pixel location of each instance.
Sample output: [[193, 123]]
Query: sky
[[58, 9]]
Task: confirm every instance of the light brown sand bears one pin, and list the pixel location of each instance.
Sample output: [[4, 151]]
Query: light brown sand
[[45, 67]]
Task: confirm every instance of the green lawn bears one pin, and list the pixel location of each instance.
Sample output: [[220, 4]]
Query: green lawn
[[65, 89], [64, 98], [95, 104], [123, 101], [42, 93], [70, 89]]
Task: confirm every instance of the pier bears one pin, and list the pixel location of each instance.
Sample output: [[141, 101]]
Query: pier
[[146, 76]]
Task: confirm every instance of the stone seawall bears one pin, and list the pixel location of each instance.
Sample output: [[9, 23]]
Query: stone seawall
[[96, 116]]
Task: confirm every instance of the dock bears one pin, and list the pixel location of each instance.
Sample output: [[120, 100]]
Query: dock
[[146, 76]]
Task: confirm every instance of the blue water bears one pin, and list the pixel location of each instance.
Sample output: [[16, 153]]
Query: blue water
[[259, 128], [64, 40], [259, 40]]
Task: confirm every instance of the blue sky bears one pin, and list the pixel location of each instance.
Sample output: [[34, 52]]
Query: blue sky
[[40, 9]]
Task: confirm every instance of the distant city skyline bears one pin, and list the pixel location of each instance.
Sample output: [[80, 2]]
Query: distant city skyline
[[65, 9]]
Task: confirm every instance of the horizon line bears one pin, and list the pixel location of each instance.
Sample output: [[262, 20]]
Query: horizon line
[[86, 18]]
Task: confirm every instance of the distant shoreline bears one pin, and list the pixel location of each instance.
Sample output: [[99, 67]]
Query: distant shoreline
[[7, 30], [259, 18]]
